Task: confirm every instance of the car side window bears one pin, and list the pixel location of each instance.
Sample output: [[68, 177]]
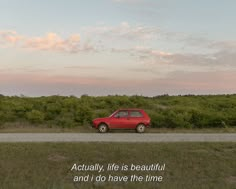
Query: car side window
[[122, 114], [136, 114]]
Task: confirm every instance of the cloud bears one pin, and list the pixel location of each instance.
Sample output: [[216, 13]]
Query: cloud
[[146, 53], [133, 34], [49, 42], [9, 37], [224, 45], [124, 30], [219, 60], [150, 51], [126, 33], [201, 41]]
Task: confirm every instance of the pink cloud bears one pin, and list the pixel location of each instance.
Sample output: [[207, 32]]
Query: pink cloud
[[49, 42], [10, 37]]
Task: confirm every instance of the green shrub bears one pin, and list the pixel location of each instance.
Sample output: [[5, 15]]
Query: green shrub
[[35, 116], [65, 122], [83, 114], [158, 120], [177, 120]]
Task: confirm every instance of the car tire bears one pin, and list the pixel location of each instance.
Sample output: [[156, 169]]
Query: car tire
[[102, 128], [140, 128]]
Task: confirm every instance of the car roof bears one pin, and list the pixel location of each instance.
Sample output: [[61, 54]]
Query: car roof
[[137, 109]]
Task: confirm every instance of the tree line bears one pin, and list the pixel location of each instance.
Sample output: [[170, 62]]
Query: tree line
[[189, 111]]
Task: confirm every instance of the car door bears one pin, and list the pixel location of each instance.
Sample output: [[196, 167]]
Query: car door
[[119, 120], [135, 117]]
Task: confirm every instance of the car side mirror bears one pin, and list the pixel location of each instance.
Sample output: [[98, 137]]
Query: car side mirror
[[118, 117]]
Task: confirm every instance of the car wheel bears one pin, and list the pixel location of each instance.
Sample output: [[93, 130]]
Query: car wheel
[[102, 128], [140, 128]]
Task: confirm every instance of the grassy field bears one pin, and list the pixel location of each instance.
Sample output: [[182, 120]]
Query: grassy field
[[187, 165]]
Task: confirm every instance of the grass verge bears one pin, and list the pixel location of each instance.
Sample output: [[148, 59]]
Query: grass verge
[[21, 128], [47, 165]]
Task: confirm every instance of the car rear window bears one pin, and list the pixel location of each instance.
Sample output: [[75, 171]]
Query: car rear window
[[136, 114]]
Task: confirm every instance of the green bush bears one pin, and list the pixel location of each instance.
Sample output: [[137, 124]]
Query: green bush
[[83, 115], [35, 116], [158, 120], [65, 122], [177, 120]]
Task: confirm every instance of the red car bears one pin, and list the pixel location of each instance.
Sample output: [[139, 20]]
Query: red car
[[123, 119]]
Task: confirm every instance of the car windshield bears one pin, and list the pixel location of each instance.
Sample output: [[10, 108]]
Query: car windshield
[[112, 114]]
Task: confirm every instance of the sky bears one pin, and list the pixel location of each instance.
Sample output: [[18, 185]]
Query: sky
[[123, 47]]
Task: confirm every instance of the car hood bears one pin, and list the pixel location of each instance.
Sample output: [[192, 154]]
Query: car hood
[[99, 119]]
